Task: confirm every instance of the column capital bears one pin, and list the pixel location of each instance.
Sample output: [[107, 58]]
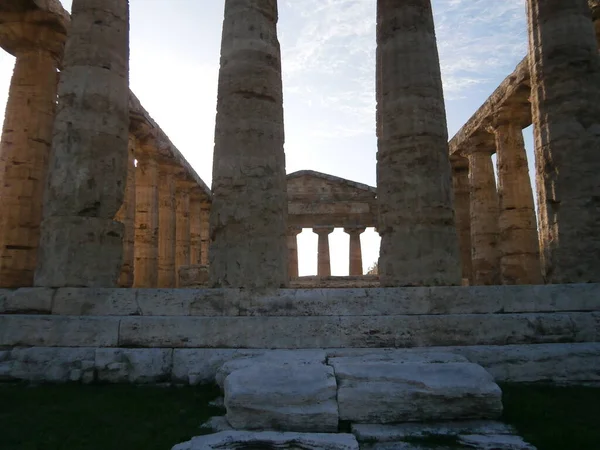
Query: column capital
[[323, 230], [354, 230], [294, 231]]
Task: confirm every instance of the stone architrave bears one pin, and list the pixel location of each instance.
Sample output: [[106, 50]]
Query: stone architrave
[[167, 275], [146, 222], [87, 170], [204, 232], [292, 236], [485, 254], [419, 245], [565, 96], [462, 212], [323, 258], [126, 215], [37, 42], [518, 239], [182, 253], [196, 199], [248, 218], [355, 264]]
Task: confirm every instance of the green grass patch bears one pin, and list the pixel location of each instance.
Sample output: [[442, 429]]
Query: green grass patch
[[102, 417], [554, 418]]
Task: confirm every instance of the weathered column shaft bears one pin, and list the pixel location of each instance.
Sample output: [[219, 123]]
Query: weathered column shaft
[[249, 211], [565, 80], [355, 265], [146, 223], [81, 244], [195, 227], [323, 258], [167, 274], [126, 215], [204, 233], [462, 209], [519, 244], [292, 236], [182, 254], [485, 254], [419, 245], [26, 140]]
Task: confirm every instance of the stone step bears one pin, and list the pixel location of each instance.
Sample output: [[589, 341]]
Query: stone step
[[297, 332], [302, 302]]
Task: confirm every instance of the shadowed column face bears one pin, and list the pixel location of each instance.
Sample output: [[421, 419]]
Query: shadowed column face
[[292, 235], [195, 227], [167, 275], [182, 257], [485, 254], [355, 263], [462, 207], [419, 245], [519, 245], [81, 244], [248, 246], [565, 80], [25, 146], [323, 259], [204, 233]]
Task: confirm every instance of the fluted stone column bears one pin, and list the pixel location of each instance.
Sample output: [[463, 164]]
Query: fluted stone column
[[292, 236], [167, 275], [81, 243], [485, 254], [419, 245], [462, 213], [204, 232], [323, 259], [356, 265], [196, 199], [146, 222], [126, 215], [182, 254], [249, 212], [565, 80], [26, 141], [519, 244]]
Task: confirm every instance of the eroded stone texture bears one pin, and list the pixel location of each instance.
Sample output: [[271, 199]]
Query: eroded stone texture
[[249, 212], [518, 238], [36, 41], [195, 227], [565, 80], [419, 244], [355, 265], [204, 232], [166, 226], [323, 257], [88, 161], [485, 255], [462, 213], [182, 247], [292, 236]]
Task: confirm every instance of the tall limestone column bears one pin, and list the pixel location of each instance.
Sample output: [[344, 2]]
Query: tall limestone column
[[81, 243], [167, 275], [248, 218], [419, 245], [37, 43], [323, 259], [196, 199], [292, 236], [485, 254], [182, 253], [146, 222], [126, 215], [204, 232], [462, 213], [355, 265], [519, 244], [565, 95]]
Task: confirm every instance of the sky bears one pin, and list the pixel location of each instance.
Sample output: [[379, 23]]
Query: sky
[[328, 59]]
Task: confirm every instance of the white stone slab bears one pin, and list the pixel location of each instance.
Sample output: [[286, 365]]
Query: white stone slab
[[52, 365], [286, 397], [495, 442], [217, 424], [199, 366], [388, 392], [272, 440], [27, 300], [95, 302], [143, 365]]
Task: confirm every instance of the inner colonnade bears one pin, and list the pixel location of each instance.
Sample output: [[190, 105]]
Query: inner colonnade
[[94, 194]]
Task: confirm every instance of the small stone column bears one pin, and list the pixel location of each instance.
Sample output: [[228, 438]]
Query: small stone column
[[26, 139], [196, 199], [419, 245], [323, 261], [167, 275], [146, 222], [462, 213], [565, 97], [292, 236], [248, 247], [356, 266], [204, 232], [81, 244], [485, 254], [182, 254], [126, 215], [519, 244]]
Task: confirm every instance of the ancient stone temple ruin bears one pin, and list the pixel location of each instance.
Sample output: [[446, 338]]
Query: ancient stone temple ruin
[[103, 222]]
